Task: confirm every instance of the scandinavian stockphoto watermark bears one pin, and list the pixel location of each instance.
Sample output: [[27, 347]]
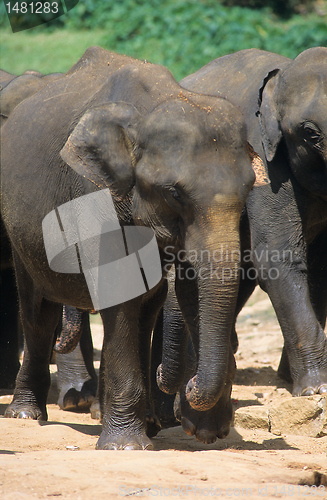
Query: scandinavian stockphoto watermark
[[24, 15], [119, 263], [194, 491], [225, 263]]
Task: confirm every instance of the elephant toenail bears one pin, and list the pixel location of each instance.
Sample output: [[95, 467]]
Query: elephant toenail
[[308, 391], [25, 414], [131, 446]]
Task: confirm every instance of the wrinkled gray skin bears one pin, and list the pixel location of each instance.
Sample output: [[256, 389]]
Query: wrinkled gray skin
[[77, 381], [174, 161], [284, 103]]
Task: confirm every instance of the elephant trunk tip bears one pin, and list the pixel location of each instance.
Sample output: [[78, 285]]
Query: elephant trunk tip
[[65, 344], [71, 331], [168, 385], [201, 398]]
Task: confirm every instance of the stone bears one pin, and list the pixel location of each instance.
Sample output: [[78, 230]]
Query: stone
[[314, 478], [252, 417], [305, 416]]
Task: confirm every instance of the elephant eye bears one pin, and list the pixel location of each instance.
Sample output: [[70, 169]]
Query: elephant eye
[[173, 195], [312, 134]]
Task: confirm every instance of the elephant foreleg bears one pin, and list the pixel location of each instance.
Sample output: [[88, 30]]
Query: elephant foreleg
[[317, 281], [122, 391]]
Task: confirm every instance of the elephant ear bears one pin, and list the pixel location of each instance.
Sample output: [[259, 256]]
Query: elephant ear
[[100, 148], [271, 133]]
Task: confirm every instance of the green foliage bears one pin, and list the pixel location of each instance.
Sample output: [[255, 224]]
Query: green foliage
[[184, 34], [283, 8], [48, 52]]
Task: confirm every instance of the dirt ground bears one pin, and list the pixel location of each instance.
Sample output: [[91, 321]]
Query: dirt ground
[[57, 459]]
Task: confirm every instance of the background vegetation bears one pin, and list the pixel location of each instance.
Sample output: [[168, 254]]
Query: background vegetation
[[181, 34]]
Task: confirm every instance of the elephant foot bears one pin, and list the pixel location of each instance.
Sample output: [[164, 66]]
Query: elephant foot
[[22, 409], [313, 382], [75, 400], [123, 442], [207, 425], [153, 425]]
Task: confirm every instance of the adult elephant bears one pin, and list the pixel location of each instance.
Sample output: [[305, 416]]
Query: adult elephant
[[175, 161], [284, 103]]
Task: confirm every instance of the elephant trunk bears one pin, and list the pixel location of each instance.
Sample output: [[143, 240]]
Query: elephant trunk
[[71, 330], [217, 262]]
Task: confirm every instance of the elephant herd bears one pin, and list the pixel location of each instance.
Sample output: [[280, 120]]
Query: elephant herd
[[228, 168]]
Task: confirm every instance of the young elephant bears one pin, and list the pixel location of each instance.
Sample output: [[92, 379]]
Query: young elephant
[[284, 103], [175, 161]]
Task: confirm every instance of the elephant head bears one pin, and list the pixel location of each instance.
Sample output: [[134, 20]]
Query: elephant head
[[186, 167], [293, 107]]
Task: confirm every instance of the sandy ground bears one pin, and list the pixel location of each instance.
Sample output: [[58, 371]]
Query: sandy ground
[[57, 459]]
